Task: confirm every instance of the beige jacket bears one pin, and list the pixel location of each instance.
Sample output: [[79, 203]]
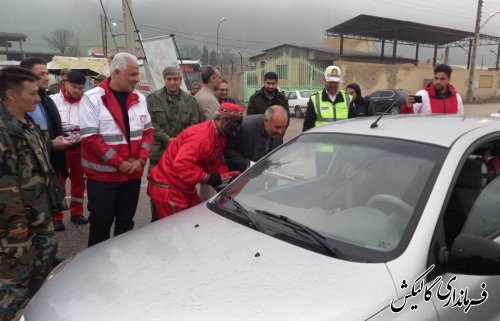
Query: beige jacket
[[207, 102]]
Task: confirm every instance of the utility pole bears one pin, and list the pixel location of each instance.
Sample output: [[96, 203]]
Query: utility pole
[[470, 92], [104, 35], [129, 26]]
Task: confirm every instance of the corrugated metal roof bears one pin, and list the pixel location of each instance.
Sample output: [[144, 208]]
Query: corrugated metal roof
[[385, 28]]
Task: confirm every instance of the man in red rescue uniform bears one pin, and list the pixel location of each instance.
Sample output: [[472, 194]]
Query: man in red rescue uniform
[[68, 102], [116, 137], [194, 156], [438, 96]]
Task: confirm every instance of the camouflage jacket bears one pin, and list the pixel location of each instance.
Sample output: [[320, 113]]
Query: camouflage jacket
[[170, 118], [29, 191]]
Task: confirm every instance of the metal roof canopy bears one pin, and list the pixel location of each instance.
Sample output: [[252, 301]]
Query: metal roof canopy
[[6, 37], [407, 33]]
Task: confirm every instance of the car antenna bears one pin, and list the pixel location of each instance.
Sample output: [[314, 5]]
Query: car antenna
[[374, 124]]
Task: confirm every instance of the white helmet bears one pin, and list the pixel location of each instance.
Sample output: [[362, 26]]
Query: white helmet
[[333, 73]]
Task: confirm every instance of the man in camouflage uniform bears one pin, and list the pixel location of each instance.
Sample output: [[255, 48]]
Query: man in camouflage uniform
[[29, 194]]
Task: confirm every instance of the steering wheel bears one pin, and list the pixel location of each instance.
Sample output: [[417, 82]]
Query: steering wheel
[[391, 200]]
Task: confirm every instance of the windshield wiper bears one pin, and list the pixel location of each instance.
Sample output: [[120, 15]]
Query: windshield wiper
[[301, 228], [243, 212]]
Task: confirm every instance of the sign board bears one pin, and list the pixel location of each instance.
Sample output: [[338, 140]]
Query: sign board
[[160, 52]]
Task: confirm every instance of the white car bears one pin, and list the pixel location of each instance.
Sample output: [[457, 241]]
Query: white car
[[359, 220], [297, 101]]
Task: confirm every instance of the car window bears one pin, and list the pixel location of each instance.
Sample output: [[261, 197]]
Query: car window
[[387, 94], [483, 219], [377, 94], [306, 94], [475, 196], [292, 96], [360, 191]]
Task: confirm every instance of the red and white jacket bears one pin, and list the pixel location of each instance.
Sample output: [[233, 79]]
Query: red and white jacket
[[103, 140], [431, 104], [68, 109]]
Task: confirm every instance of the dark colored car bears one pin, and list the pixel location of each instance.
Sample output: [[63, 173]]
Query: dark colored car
[[388, 101]]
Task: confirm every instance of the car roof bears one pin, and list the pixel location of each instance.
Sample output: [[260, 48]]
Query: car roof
[[442, 130]]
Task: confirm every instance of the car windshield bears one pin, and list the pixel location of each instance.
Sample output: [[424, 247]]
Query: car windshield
[[359, 192], [306, 94]]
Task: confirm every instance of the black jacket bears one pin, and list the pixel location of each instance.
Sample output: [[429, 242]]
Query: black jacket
[[361, 108], [258, 102], [54, 126], [227, 100], [249, 143]]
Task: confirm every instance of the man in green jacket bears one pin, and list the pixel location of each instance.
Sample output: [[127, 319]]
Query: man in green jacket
[[29, 194], [172, 110], [267, 96]]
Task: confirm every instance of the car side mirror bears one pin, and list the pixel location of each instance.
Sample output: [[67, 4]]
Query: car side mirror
[[474, 255]]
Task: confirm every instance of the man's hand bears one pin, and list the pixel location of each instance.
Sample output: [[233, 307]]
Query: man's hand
[[60, 144], [410, 100], [136, 166], [125, 167], [229, 176], [19, 233]]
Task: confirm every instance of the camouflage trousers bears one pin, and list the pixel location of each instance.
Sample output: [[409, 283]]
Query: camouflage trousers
[[24, 264]]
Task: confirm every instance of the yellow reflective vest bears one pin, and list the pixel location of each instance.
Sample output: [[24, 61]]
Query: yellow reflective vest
[[327, 112]]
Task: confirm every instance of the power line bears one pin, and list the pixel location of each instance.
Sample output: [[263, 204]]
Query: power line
[[426, 8], [168, 31]]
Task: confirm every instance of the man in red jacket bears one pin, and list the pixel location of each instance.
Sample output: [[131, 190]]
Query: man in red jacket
[[438, 96], [194, 156], [116, 136]]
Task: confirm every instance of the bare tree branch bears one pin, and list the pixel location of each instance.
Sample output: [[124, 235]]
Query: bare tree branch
[[60, 39]]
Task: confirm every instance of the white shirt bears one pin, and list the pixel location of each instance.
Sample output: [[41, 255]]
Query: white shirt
[[332, 98]]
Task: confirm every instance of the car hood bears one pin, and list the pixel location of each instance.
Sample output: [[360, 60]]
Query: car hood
[[197, 265]]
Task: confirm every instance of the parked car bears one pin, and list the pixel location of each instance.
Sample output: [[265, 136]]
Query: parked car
[[388, 101], [297, 101], [379, 220]]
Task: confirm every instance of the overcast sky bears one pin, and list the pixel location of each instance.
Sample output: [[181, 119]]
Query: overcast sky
[[257, 24]]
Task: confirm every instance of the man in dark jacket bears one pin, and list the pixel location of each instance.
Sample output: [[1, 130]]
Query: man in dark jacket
[[47, 117], [258, 135], [267, 96], [223, 92]]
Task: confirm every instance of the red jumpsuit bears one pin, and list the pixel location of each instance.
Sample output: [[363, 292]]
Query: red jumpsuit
[[68, 110], [187, 161]]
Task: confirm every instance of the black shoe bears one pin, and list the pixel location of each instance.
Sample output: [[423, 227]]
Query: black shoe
[[59, 226], [79, 219]]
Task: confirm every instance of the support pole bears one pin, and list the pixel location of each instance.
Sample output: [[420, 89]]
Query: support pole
[[129, 28], [470, 92], [416, 54], [395, 47]]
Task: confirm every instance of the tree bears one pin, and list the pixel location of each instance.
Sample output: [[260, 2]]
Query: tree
[[194, 52], [190, 51], [213, 58], [204, 56], [60, 39]]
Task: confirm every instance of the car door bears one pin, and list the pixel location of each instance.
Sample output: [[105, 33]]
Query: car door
[[377, 99], [471, 213], [390, 99]]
